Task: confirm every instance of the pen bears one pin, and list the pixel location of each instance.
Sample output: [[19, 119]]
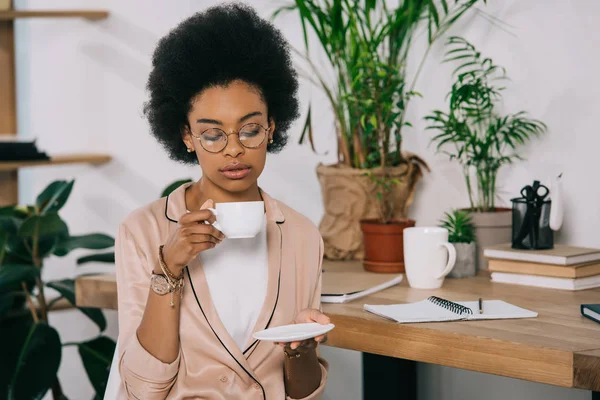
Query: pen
[[480, 306]]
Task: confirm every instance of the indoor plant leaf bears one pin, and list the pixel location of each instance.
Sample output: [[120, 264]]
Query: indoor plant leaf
[[6, 302], [54, 196], [174, 186], [48, 224], [92, 241], [9, 224], [14, 331], [96, 356], [12, 275], [47, 244], [40, 358], [101, 257], [17, 252], [66, 287]]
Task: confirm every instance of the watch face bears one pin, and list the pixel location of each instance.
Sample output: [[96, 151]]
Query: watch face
[[160, 285]]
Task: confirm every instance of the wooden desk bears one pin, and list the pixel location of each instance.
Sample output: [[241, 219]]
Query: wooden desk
[[560, 347]]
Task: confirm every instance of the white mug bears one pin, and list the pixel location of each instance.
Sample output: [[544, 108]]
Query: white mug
[[428, 257], [238, 220]]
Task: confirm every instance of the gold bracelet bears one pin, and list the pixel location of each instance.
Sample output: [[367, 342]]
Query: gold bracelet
[[165, 268]]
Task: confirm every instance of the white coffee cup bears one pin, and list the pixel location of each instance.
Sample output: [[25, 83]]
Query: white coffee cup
[[238, 220], [428, 257]]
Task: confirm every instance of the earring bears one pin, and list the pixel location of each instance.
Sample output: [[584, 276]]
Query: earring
[[189, 150], [270, 141]]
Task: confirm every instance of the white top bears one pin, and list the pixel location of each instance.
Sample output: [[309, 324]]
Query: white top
[[236, 272]]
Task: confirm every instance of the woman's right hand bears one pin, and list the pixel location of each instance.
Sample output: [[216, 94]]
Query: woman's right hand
[[193, 236]]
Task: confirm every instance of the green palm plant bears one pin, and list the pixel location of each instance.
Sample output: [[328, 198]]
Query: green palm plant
[[31, 352], [471, 131], [367, 44], [459, 225], [383, 188]]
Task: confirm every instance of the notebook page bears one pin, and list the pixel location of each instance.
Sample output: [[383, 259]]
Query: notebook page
[[496, 309], [421, 311]]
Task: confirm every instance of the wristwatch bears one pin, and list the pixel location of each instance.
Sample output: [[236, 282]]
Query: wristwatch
[[159, 284]]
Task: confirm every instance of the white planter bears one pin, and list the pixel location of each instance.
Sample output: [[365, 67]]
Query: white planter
[[466, 260], [491, 228]]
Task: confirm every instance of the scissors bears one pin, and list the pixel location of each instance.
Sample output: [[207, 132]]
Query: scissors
[[535, 195]]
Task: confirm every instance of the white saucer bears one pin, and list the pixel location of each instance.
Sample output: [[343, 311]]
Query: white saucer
[[293, 332]]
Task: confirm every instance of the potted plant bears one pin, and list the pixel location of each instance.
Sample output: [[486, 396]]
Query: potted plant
[[383, 236], [479, 138], [367, 45], [461, 233], [31, 349]]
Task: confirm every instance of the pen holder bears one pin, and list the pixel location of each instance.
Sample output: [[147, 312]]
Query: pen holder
[[531, 225]]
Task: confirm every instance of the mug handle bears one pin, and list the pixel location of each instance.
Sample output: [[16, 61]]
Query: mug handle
[[451, 260]]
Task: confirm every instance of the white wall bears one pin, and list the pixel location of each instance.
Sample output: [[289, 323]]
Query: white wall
[[81, 88]]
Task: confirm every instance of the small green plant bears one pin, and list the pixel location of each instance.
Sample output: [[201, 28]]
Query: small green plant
[[460, 226], [384, 185], [31, 349], [472, 132]]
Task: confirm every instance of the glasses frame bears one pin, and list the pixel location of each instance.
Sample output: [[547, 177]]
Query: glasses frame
[[199, 137]]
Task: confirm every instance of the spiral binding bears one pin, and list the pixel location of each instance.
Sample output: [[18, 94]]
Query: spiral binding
[[450, 305]]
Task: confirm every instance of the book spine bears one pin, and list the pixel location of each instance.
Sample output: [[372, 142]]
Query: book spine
[[519, 267], [582, 307]]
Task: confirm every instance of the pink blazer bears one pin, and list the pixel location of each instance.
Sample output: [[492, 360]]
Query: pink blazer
[[210, 365]]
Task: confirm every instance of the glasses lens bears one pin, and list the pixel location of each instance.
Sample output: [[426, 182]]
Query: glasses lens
[[252, 135], [213, 140]]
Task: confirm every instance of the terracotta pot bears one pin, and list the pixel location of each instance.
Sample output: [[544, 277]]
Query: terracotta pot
[[384, 245], [491, 228], [349, 196]]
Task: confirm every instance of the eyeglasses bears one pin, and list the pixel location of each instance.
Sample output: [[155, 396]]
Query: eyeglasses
[[215, 140]]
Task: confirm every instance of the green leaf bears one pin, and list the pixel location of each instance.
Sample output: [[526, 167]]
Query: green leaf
[[92, 241], [9, 224], [167, 191], [6, 302], [14, 331], [101, 257], [54, 196], [38, 363], [66, 287], [12, 275], [49, 224], [47, 245], [17, 251], [7, 210], [97, 357], [373, 121]]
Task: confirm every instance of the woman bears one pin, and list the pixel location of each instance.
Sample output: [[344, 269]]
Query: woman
[[222, 94]]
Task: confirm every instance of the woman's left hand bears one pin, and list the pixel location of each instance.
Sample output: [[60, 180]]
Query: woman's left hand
[[308, 315]]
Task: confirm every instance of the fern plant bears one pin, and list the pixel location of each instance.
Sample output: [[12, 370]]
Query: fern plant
[[471, 131], [460, 226]]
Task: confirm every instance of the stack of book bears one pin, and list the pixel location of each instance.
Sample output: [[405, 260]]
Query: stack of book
[[14, 149], [563, 267]]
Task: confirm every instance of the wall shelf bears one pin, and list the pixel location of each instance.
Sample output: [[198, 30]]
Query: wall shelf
[[93, 15], [94, 159], [9, 177]]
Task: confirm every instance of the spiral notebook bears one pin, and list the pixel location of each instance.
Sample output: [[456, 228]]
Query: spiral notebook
[[436, 309]]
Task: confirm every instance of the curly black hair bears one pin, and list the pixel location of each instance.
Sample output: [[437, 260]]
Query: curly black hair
[[213, 48]]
